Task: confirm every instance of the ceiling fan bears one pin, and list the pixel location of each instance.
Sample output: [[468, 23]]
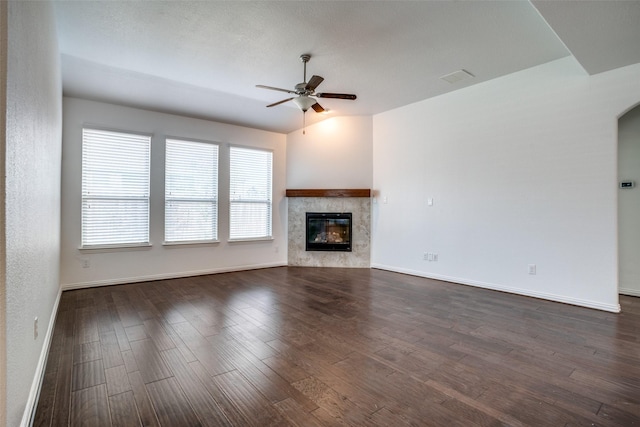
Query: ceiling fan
[[305, 91]]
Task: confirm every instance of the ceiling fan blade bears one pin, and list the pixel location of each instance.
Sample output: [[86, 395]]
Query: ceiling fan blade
[[336, 95], [275, 88], [314, 82], [317, 108], [280, 102]]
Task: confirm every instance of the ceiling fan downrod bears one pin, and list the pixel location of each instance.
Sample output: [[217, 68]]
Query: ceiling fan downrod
[[305, 57]]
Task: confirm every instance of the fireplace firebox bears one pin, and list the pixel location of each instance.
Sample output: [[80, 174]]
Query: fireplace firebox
[[328, 231]]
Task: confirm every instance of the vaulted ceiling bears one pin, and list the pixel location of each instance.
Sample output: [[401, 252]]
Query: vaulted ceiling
[[203, 58]]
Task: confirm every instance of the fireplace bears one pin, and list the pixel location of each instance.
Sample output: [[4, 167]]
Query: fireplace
[[328, 231]]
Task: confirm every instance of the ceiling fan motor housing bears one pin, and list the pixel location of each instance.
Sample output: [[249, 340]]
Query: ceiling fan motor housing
[[302, 89]]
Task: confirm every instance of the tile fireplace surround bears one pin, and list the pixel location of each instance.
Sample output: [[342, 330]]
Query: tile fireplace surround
[[358, 202]]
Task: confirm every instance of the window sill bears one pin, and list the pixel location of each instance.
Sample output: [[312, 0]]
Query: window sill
[[191, 243], [252, 239], [115, 248]]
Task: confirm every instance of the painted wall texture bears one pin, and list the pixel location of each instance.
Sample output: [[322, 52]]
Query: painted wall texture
[[520, 170], [335, 153], [3, 240], [32, 191]]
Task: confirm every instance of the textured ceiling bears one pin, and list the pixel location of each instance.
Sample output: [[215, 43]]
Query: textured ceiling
[[602, 35], [203, 59]]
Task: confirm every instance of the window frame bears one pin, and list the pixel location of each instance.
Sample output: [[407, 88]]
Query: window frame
[[268, 202], [85, 198], [215, 200]]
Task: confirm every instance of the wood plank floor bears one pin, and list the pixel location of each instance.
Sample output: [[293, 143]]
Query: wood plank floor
[[331, 347]]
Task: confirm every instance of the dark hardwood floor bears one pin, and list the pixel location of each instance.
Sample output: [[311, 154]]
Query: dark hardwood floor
[[329, 347]]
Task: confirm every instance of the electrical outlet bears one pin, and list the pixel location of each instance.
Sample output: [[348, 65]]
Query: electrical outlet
[[430, 256], [86, 263], [35, 328], [532, 269], [277, 249]]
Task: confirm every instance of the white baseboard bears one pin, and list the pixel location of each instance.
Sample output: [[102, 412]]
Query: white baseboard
[[630, 292], [149, 278], [614, 308], [34, 394]]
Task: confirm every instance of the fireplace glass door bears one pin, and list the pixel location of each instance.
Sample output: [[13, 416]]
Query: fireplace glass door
[[328, 231]]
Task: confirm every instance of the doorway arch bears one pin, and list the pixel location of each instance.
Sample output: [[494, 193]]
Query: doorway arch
[[629, 202]]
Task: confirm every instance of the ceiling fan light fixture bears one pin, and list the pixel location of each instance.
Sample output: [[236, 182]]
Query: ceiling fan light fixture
[[304, 102]]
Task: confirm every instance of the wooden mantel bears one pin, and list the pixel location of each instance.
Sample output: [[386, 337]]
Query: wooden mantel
[[354, 192]]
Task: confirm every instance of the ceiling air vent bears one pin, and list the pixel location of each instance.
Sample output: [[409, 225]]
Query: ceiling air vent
[[456, 76]]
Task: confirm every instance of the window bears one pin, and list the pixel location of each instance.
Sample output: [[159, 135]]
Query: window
[[115, 188], [191, 191], [250, 193]]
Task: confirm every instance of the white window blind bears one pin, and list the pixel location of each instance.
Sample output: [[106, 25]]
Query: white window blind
[[250, 193], [115, 188], [191, 191]]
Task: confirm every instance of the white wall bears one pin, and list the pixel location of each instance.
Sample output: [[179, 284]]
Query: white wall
[[629, 202], [521, 169], [3, 240], [32, 198], [122, 266], [333, 154]]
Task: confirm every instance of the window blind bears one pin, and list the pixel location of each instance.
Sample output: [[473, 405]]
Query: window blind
[[191, 191], [250, 191], [115, 188]]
